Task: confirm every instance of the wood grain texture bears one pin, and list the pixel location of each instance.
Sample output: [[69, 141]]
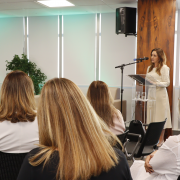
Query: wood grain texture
[[156, 27]]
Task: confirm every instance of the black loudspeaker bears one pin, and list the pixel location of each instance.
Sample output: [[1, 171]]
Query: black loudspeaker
[[126, 20]]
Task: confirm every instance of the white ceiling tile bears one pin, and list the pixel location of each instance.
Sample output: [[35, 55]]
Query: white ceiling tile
[[14, 1], [56, 11], [134, 5], [99, 9], [19, 5], [118, 1], [86, 2], [20, 8]]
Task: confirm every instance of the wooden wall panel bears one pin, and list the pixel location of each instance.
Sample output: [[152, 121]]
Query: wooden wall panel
[[156, 27]]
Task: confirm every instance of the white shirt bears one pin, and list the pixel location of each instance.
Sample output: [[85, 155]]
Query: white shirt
[[165, 163], [18, 137]]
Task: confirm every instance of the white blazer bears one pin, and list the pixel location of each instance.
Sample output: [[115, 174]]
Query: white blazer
[[165, 162]]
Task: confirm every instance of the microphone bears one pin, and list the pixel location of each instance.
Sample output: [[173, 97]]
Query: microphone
[[140, 59]]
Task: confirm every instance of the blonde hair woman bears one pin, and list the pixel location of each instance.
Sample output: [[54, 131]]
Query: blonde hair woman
[[100, 98], [18, 125], [75, 144]]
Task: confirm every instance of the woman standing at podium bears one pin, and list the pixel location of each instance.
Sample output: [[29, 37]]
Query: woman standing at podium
[[160, 71]]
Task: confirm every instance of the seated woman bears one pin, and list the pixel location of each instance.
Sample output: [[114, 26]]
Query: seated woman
[[100, 98], [18, 124], [162, 164], [75, 144]]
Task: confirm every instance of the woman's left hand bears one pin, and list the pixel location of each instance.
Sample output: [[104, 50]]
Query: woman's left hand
[[147, 166]]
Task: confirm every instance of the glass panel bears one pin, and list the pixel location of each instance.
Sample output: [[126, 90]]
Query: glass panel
[[143, 98]]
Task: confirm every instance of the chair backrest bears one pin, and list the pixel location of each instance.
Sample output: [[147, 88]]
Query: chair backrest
[[136, 127], [122, 137], [152, 135], [10, 164]]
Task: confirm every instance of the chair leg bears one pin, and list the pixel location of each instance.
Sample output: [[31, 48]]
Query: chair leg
[[130, 158]]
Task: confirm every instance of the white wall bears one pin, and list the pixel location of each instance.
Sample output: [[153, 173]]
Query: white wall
[[79, 48], [11, 41], [43, 44], [116, 50]]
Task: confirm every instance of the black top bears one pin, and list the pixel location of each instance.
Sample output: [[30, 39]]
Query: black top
[[10, 165], [120, 171]]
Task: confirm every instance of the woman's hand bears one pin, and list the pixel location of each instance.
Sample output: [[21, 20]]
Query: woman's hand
[[147, 166]]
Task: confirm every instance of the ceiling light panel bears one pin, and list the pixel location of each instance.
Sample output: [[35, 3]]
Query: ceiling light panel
[[56, 3]]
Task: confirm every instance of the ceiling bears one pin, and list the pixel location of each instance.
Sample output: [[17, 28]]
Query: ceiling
[[21, 8]]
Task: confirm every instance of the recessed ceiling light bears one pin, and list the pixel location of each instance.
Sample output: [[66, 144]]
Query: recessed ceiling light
[[56, 3]]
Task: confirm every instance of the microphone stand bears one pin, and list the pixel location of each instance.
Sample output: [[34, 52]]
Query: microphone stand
[[122, 68]]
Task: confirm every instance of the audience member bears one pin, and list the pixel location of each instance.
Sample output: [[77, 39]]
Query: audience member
[[100, 98], [162, 164], [18, 124], [75, 144]]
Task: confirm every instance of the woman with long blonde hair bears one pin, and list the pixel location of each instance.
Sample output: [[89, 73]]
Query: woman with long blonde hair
[[75, 144], [100, 98]]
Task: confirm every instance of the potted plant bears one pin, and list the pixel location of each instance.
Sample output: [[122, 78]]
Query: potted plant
[[29, 68]]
